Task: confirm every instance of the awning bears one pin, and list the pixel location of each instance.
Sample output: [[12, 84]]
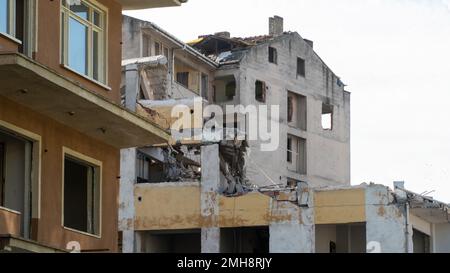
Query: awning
[[35, 86]]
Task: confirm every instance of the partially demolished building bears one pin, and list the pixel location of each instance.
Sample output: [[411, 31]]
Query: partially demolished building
[[228, 196]]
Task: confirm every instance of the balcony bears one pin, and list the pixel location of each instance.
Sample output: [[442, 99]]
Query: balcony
[[35, 86]]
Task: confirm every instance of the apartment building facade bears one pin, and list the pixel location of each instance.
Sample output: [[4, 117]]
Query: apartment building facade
[[283, 69], [62, 125]]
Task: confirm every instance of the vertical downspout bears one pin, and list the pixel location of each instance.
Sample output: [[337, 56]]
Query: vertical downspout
[[407, 233]]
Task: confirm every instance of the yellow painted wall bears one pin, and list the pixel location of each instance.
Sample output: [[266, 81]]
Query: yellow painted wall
[[250, 210], [340, 206], [167, 207], [174, 207]]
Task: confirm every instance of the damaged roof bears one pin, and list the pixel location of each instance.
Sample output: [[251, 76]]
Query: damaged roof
[[226, 50]]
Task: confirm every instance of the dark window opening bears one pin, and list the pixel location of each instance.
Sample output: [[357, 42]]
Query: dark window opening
[[260, 91], [273, 55], [166, 52], [301, 69], [16, 191], [183, 79], [244, 240], [81, 196], [230, 90], [2, 174], [149, 169], [421, 242], [157, 49]]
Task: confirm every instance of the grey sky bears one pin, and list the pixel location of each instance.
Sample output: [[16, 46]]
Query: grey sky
[[394, 55]]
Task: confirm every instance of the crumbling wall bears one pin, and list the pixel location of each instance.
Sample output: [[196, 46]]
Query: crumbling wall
[[386, 222], [292, 227]]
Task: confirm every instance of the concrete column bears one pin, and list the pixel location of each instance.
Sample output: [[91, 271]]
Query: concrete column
[[441, 238], [387, 230], [210, 199], [292, 229], [132, 86], [126, 198]]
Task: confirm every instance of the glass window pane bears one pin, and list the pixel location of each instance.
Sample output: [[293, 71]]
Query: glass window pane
[[96, 55], [4, 16], [97, 19], [80, 10], [78, 47]]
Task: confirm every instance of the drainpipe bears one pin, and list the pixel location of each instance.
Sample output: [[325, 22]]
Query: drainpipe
[[407, 234]]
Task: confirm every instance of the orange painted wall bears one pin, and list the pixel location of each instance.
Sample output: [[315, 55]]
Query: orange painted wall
[[48, 52], [7, 45], [54, 137]]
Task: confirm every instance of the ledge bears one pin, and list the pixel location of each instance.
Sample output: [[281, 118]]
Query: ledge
[[39, 88]]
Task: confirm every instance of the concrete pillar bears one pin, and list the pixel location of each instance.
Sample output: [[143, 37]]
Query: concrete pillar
[[210, 199], [441, 238], [387, 230], [126, 198], [132, 86], [292, 229]]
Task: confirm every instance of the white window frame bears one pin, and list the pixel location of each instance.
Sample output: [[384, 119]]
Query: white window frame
[[11, 28], [67, 152], [103, 40]]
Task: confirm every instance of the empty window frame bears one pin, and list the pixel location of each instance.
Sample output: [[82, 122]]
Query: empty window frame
[[260, 91], [149, 170], [205, 86], [157, 48], [273, 55], [7, 17], [327, 116], [289, 150], [296, 154], [83, 38], [20, 185], [297, 111], [81, 193], [301, 67], [166, 52]]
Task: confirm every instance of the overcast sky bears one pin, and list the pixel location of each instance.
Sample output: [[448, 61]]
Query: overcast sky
[[394, 55]]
